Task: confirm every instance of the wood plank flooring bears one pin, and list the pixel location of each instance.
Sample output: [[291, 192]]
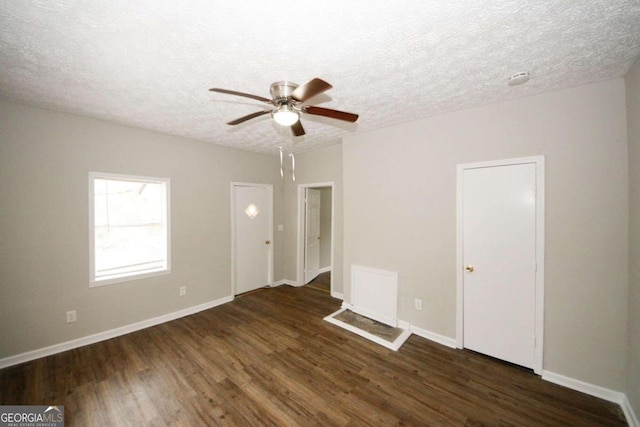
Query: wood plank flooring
[[322, 282], [268, 358]]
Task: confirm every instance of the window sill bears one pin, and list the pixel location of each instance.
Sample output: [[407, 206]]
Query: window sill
[[127, 278]]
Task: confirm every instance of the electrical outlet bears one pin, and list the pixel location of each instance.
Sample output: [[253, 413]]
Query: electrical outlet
[[183, 291], [418, 304], [71, 316]]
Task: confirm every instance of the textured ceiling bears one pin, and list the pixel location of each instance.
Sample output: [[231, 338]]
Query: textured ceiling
[[150, 63]]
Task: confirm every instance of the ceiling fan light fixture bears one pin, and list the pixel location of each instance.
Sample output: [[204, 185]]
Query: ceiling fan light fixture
[[285, 115]]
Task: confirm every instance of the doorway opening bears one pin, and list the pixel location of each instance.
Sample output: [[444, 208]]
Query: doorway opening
[[316, 235]]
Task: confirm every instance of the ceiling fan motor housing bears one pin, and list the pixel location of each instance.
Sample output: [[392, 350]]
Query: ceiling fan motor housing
[[281, 91]]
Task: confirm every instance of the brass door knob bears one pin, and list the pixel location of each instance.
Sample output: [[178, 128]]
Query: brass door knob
[[469, 268], [267, 242]]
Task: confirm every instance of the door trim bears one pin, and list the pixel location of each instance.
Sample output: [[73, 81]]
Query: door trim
[[539, 280], [232, 205], [307, 223], [301, 230]]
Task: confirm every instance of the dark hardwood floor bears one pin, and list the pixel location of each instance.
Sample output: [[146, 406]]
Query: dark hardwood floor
[[322, 282], [268, 358]]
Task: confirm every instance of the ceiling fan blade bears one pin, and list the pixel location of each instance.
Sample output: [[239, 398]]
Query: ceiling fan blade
[[310, 89], [297, 129], [246, 95], [248, 117], [334, 114]]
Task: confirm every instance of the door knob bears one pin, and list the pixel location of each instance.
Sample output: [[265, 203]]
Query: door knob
[[469, 268], [267, 242]]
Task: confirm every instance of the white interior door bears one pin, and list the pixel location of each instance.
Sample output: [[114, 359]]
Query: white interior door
[[312, 235], [499, 261], [252, 234]]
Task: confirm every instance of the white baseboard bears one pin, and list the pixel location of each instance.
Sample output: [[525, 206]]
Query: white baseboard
[[584, 387], [324, 269], [632, 417], [423, 333], [285, 282], [278, 283], [440, 339], [597, 391], [432, 336], [337, 295], [102, 336]]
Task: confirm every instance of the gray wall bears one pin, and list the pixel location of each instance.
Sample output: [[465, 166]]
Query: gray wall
[[45, 158], [325, 227], [400, 215], [318, 166], [633, 126]]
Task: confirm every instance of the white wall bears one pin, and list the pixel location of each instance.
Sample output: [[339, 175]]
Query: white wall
[[400, 215], [45, 159], [633, 126]]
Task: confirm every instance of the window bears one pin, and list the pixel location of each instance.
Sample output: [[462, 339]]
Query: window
[[129, 227]]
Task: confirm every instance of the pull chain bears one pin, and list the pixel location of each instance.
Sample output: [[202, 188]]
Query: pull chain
[[293, 158]]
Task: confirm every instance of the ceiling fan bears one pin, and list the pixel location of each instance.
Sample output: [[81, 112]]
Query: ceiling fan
[[287, 100]]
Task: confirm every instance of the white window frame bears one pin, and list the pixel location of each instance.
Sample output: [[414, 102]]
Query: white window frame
[[125, 277]]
